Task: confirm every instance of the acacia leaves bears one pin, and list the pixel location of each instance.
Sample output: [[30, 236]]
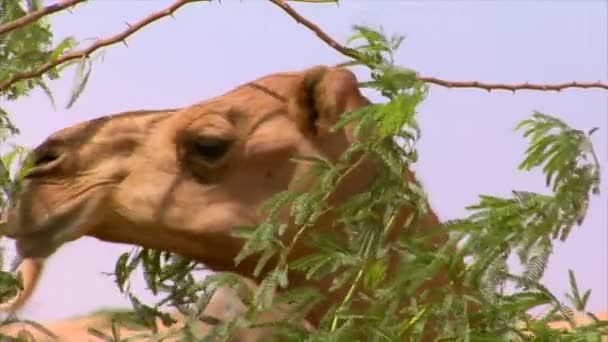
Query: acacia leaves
[[526, 222], [27, 48], [24, 48], [567, 154]]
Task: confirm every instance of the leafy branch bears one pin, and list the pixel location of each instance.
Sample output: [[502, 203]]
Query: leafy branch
[[525, 224], [36, 15], [358, 257], [86, 52]]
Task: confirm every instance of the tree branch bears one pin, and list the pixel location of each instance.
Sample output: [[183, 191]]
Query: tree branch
[[513, 87], [316, 29], [42, 12], [282, 4], [504, 86], [85, 53]]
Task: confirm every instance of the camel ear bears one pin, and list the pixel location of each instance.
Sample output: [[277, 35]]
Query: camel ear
[[321, 96]]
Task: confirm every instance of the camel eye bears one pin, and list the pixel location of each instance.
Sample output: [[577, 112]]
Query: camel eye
[[211, 148]]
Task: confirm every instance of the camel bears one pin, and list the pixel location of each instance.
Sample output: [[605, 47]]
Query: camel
[[181, 179]]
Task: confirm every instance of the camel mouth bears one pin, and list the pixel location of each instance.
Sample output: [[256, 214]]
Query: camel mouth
[[53, 224], [47, 236], [42, 237]]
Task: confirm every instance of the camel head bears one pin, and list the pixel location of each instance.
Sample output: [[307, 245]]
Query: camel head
[[180, 180]]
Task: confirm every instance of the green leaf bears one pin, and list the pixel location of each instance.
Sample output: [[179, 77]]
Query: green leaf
[[120, 270], [82, 77], [375, 274], [65, 44]]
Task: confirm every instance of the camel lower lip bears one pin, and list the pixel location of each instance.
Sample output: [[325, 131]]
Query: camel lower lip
[[36, 245], [41, 241], [37, 252]]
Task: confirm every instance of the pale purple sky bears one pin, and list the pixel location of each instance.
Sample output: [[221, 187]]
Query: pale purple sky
[[468, 147]]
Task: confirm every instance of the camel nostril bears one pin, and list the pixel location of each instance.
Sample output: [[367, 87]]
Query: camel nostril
[[44, 162], [45, 158]]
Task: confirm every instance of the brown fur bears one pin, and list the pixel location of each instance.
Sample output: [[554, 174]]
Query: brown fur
[[135, 178]]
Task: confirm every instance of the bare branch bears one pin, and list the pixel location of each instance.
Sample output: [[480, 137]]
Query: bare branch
[[433, 80], [44, 11], [85, 53], [316, 1], [314, 28], [503, 86], [513, 87]]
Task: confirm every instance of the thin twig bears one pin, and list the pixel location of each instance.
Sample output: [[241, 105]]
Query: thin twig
[[85, 53], [513, 87], [433, 80], [282, 4], [504, 86], [42, 12]]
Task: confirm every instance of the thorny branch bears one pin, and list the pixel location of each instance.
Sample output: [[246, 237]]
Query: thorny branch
[[513, 87], [120, 37], [314, 28], [441, 82], [504, 86], [85, 53], [42, 12]]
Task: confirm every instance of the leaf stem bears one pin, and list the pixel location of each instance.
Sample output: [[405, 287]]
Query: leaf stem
[[347, 298]]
